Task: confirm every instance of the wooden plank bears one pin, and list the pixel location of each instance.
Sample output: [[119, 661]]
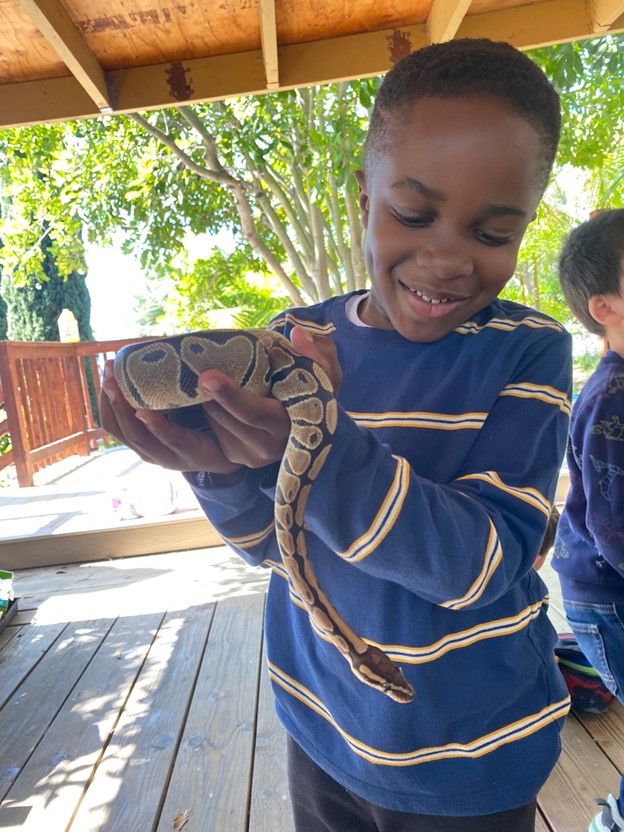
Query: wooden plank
[[25, 717], [9, 634], [445, 19], [54, 23], [18, 658], [127, 787], [541, 825], [581, 774], [605, 13], [213, 766], [268, 39], [50, 786], [143, 537], [324, 60], [529, 27], [607, 729], [270, 803], [14, 410], [132, 586]]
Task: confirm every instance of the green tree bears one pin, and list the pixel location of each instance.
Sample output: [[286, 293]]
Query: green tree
[[276, 172], [588, 76], [33, 309], [535, 282]]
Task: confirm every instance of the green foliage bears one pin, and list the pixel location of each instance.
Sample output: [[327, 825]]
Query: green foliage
[[38, 202], [34, 308], [584, 365], [535, 282], [218, 292], [275, 171], [588, 76]]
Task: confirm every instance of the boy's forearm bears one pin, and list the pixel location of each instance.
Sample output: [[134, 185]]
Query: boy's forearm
[[240, 511]]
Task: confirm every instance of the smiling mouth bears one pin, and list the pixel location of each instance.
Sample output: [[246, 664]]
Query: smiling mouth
[[433, 301]]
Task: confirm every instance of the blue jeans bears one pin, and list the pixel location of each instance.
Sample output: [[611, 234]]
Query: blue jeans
[[599, 630]]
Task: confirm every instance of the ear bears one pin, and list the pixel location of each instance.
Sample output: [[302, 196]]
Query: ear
[[604, 310], [363, 195]]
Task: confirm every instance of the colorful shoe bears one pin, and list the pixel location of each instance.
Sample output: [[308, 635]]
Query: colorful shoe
[[610, 819], [588, 692]]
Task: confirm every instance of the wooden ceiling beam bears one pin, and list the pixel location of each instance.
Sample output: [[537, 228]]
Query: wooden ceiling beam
[[445, 19], [605, 13], [338, 59], [529, 27], [268, 37], [54, 23]]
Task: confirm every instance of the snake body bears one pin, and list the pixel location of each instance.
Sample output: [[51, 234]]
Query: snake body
[[162, 374]]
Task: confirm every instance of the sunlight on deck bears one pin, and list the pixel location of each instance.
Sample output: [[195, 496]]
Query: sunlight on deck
[[147, 588], [106, 589]]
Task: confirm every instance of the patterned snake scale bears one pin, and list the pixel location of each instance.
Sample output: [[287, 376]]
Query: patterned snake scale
[[162, 374]]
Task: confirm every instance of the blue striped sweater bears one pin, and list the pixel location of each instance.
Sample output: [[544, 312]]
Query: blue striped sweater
[[423, 527]]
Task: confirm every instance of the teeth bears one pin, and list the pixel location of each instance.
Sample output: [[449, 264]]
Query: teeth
[[430, 300]]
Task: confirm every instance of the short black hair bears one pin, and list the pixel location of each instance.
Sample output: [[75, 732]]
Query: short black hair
[[591, 263], [469, 67]]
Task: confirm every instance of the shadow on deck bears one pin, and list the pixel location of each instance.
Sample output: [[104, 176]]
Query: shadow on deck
[[134, 694]]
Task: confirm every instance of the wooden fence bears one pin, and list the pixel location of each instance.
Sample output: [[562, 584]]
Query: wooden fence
[[50, 392]]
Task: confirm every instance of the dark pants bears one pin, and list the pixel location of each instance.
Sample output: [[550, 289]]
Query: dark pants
[[322, 805]]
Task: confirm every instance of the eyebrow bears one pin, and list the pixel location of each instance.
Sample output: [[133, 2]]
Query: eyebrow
[[409, 182], [416, 185]]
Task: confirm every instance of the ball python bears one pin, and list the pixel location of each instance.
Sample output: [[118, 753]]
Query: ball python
[[162, 374]]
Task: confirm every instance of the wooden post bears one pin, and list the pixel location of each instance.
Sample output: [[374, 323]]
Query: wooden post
[[15, 416]]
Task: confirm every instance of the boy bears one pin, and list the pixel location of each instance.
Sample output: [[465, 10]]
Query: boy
[[589, 548], [427, 516]]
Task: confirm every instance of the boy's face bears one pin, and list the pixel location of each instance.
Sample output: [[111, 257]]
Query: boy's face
[[445, 208]]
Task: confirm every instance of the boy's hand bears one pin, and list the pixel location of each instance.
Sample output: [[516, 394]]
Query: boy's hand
[[246, 430]]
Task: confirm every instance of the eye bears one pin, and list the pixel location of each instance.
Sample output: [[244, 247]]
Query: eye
[[413, 221], [492, 239]]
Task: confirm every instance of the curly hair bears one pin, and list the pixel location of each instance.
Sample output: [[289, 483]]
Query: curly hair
[[468, 68], [592, 263]]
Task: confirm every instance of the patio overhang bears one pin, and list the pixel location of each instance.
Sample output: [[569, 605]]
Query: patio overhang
[[67, 59]]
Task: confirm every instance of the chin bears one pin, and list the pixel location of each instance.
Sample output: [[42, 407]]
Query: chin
[[424, 334]]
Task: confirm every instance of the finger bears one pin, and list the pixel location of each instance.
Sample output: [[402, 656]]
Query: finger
[[155, 438], [320, 349], [183, 448], [115, 412], [239, 407], [247, 444]]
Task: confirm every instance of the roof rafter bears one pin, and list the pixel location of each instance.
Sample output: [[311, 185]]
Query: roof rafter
[[445, 19], [54, 23], [337, 59], [268, 36], [604, 13]]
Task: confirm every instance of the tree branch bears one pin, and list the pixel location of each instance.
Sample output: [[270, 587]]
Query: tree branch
[[237, 189], [221, 178]]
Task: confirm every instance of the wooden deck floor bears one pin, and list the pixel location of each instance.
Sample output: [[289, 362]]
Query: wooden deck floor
[[133, 697]]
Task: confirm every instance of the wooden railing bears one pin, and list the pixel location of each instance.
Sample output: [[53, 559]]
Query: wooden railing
[[50, 392]]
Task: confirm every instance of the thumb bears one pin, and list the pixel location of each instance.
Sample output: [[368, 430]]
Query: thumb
[[320, 349]]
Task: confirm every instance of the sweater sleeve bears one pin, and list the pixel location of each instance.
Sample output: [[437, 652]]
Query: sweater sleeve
[[602, 468], [467, 541], [242, 514]]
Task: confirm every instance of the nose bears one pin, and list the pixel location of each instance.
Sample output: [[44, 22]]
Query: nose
[[445, 260]]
